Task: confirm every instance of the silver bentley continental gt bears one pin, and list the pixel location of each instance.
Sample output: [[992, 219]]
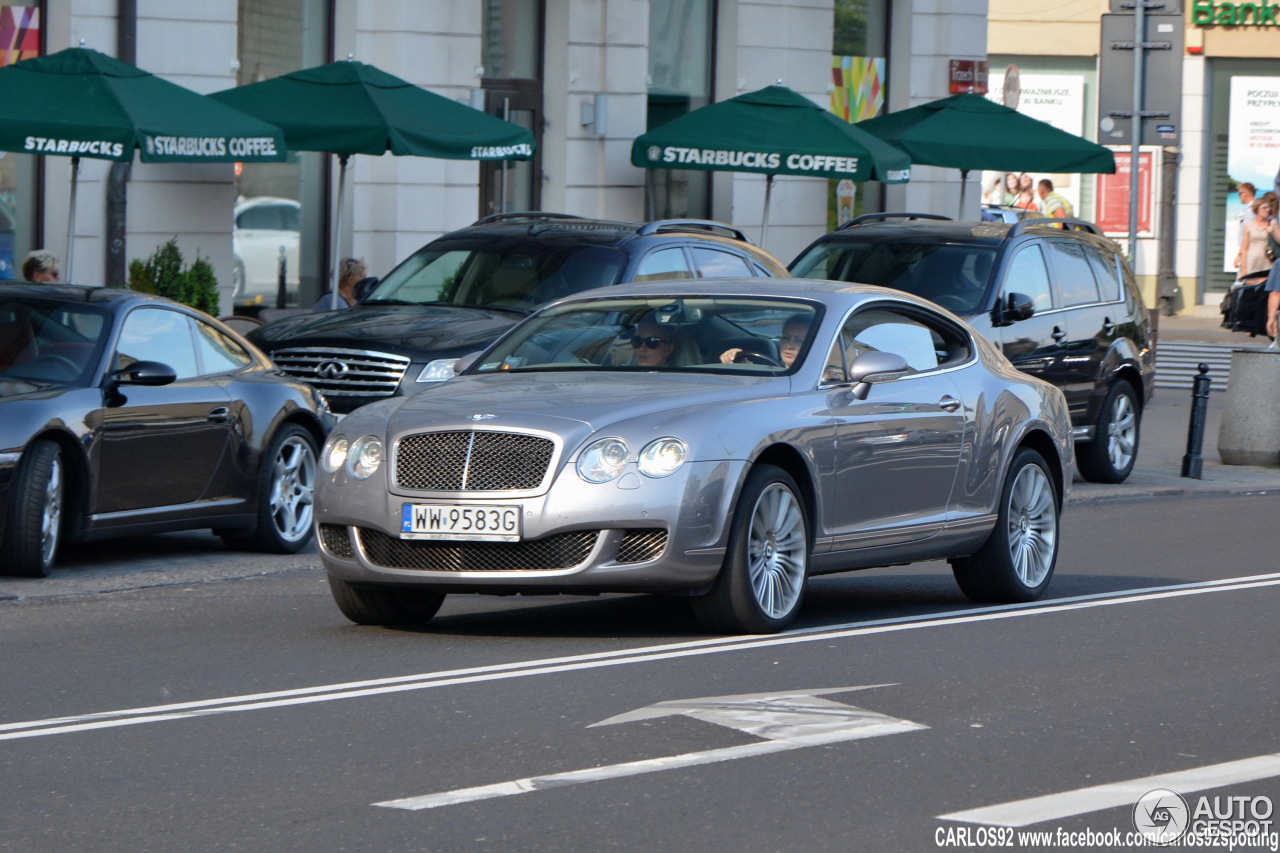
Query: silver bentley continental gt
[[718, 441]]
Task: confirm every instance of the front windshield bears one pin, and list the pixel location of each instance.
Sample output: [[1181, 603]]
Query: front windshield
[[516, 276], [746, 335], [48, 342], [955, 276]]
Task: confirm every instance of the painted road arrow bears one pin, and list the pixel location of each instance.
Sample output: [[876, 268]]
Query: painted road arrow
[[790, 720]]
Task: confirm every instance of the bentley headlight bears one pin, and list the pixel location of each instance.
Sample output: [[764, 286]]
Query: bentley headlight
[[365, 457], [663, 457], [602, 460], [438, 370], [335, 453]]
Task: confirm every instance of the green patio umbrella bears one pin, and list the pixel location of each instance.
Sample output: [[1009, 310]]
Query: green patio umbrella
[[349, 107], [81, 103], [968, 132], [772, 131]]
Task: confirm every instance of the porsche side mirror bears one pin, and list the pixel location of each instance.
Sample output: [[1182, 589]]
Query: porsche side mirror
[[872, 367], [144, 373]]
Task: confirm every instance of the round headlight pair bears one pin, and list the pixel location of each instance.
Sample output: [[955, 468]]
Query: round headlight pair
[[361, 457], [604, 459]]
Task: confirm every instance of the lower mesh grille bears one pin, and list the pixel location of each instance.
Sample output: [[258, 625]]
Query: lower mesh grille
[[641, 546], [561, 551], [335, 540]]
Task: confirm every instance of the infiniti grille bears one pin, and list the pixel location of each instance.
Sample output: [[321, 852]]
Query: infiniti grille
[[344, 372]]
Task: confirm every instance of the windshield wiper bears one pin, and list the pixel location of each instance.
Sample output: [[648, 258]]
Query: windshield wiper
[[509, 309], [389, 302]]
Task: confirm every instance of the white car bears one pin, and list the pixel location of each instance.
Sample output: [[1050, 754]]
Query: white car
[[263, 225]]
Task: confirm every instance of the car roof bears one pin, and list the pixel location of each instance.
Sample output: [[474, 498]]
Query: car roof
[[837, 294], [91, 294], [550, 227]]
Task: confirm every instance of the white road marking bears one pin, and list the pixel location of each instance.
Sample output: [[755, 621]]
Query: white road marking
[[790, 720], [1100, 797], [572, 663]]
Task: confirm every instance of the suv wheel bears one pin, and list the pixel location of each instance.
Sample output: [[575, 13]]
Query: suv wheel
[[1110, 456]]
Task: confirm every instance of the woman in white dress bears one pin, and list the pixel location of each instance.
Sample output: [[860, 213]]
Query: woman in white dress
[[1253, 246]]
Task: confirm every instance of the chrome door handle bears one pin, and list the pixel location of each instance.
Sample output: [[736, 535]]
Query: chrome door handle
[[1058, 333], [219, 415], [948, 403]]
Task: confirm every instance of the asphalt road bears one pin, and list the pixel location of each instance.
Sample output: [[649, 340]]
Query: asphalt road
[[222, 703]]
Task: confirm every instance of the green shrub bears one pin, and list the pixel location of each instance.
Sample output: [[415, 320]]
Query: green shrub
[[163, 275]]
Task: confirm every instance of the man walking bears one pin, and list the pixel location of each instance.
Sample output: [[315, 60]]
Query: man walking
[[1055, 205]]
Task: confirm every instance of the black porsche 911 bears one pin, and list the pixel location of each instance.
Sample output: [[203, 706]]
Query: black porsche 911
[[125, 414]]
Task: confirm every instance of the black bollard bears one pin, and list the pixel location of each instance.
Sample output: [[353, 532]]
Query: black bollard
[[1193, 462]]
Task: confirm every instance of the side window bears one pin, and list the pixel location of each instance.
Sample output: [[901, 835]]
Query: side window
[[712, 263], [1106, 269], [218, 353], [924, 342], [158, 334], [664, 263], [1028, 275], [1076, 284]]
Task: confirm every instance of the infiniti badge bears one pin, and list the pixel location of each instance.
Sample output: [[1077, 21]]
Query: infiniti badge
[[331, 370]]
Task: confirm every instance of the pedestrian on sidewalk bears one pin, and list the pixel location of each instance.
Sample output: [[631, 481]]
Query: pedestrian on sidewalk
[[1055, 204], [1255, 247]]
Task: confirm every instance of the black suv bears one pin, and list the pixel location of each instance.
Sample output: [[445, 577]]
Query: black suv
[[1056, 295], [460, 292]]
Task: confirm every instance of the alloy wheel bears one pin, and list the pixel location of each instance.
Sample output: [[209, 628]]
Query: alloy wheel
[[1122, 432], [293, 484], [1032, 525], [777, 551]]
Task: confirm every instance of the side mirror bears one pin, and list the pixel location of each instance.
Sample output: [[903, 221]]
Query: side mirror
[[363, 288], [1017, 306], [872, 367], [466, 361], [144, 373]]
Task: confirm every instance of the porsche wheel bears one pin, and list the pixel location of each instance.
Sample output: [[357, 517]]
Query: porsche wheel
[[34, 526], [286, 495]]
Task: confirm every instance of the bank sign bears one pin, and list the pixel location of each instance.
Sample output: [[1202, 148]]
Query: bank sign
[[1261, 14]]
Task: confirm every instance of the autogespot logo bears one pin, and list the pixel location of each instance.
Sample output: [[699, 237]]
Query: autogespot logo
[[1161, 816]]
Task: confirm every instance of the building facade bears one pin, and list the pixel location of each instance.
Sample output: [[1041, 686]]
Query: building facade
[[587, 76]]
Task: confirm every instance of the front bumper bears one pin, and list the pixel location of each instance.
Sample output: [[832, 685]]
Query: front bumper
[[633, 534]]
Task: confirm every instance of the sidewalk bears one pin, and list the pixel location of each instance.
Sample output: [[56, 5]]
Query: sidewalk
[[1165, 424]]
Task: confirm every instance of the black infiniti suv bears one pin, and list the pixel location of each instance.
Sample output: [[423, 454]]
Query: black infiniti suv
[[1056, 295], [460, 292]]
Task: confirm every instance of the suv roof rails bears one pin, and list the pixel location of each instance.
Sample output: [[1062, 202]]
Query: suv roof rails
[[665, 225], [881, 217], [1067, 224], [525, 214]]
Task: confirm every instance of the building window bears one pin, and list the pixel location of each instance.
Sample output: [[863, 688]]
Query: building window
[[20, 38], [511, 54], [681, 63], [278, 37]]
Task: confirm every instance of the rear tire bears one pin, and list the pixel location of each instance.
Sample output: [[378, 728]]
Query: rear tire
[[386, 605], [286, 495], [761, 585], [1110, 456], [34, 525], [1016, 563]]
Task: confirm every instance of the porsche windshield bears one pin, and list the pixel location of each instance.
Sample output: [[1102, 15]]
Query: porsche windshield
[[515, 276], [757, 336]]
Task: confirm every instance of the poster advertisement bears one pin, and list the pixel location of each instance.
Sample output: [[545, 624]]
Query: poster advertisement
[[857, 93], [1056, 99], [1253, 150], [1112, 215]]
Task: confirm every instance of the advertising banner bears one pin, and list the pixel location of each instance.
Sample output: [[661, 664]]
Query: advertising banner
[[1253, 150]]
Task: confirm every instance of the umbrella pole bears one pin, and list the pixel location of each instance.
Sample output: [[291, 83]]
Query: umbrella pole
[[337, 230], [964, 179], [768, 191], [71, 220]]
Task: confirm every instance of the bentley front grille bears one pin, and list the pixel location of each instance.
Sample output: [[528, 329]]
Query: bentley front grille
[[337, 373], [641, 545], [336, 541], [472, 461], [561, 551]]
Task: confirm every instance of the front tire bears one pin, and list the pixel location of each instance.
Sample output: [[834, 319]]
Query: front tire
[[385, 605], [286, 495], [761, 585], [34, 526], [1016, 563], [1110, 456]]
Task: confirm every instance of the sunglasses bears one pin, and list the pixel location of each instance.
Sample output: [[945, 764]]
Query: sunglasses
[[647, 343]]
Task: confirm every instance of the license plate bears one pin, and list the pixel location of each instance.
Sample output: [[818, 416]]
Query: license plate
[[451, 521]]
